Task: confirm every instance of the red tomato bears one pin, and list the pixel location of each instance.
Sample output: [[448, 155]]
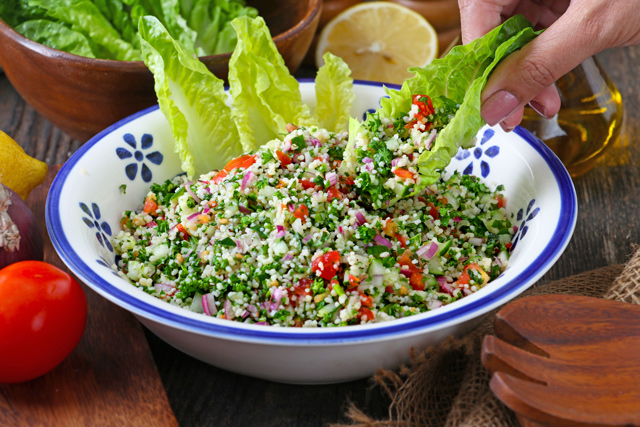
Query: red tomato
[[364, 311], [405, 259], [425, 108], [403, 241], [433, 211], [182, 231], [306, 184], [284, 159], [416, 281], [219, 176], [403, 173], [301, 289], [500, 198], [333, 193], [242, 162], [150, 206], [330, 265], [43, 312], [301, 213], [366, 300]]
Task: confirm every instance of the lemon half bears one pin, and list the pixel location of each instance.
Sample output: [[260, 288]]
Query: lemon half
[[379, 41], [19, 171]]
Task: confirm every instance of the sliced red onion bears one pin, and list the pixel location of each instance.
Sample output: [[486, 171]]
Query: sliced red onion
[[192, 216], [316, 142], [367, 160], [206, 210], [240, 246], [340, 230], [229, 314], [430, 139], [369, 166], [427, 251], [187, 187], [467, 291], [457, 219], [311, 173], [287, 257], [332, 177], [435, 304], [498, 261], [306, 239], [252, 309], [280, 232], [245, 314], [262, 323], [395, 161], [360, 218], [244, 209], [248, 178], [209, 304], [207, 189], [382, 241], [286, 145], [291, 207], [477, 241], [446, 287], [277, 298], [441, 280]]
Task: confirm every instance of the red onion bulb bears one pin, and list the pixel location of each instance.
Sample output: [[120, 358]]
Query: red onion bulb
[[20, 237]]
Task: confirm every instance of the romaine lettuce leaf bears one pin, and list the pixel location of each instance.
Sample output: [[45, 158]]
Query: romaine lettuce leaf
[[56, 35], [84, 16], [192, 99], [460, 76], [265, 95], [334, 94]]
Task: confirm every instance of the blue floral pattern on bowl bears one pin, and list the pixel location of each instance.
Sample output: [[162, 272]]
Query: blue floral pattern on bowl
[[103, 230], [138, 157], [480, 153], [524, 217]]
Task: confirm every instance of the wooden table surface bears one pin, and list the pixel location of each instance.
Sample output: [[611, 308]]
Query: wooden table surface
[[608, 224]]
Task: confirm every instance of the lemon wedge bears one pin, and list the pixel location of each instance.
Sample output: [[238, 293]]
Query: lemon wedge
[[379, 41], [19, 171]]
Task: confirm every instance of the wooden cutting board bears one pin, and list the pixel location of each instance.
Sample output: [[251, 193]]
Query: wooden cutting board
[[109, 379]]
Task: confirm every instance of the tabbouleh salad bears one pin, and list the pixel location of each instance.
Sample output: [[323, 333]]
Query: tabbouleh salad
[[314, 231]]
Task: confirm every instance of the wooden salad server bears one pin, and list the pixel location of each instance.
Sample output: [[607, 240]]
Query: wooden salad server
[[566, 360]]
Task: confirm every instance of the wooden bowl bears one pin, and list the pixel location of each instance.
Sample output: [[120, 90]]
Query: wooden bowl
[[83, 96]]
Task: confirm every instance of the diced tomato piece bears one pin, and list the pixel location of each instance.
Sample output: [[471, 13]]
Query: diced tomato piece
[[330, 265], [301, 289], [151, 224], [416, 281], [405, 259], [366, 300], [410, 124], [353, 282], [389, 289], [463, 279], [403, 173], [150, 205], [284, 159], [426, 108], [390, 228], [217, 179], [240, 162], [433, 211], [364, 311], [332, 283], [302, 212], [347, 180], [501, 201], [403, 241], [508, 245], [472, 266], [183, 231], [306, 184], [334, 193], [291, 127]]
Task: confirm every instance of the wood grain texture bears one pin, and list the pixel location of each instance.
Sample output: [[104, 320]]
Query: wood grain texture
[[201, 395], [567, 360], [109, 379]]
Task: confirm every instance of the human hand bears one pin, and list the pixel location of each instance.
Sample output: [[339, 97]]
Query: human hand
[[575, 31]]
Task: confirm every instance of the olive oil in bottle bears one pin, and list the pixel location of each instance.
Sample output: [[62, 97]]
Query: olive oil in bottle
[[589, 120]]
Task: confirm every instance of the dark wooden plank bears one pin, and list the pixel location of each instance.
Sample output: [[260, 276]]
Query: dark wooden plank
[[109, 379]]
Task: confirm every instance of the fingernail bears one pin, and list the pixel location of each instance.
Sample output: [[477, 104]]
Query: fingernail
[[538, 108], [498, 107], [506, 128]]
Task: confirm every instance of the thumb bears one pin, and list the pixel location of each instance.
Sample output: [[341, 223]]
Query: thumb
[[525, 74]]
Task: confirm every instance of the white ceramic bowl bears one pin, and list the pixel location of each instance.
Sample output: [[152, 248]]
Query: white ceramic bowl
[[85, 205]]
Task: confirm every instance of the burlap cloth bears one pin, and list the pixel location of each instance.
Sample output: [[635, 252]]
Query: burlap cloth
[[448, 386]]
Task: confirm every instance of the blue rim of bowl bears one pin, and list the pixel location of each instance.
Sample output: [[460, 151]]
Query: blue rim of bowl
[[554, 248]]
